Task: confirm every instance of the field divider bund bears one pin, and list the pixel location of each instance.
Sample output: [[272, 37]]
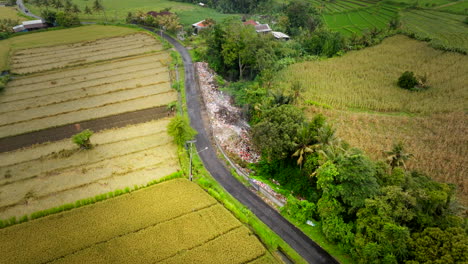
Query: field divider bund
[[66, 131]]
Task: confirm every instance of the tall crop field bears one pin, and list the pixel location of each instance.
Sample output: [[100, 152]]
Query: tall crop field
[[371, 112], [171, 222], [367, 79]]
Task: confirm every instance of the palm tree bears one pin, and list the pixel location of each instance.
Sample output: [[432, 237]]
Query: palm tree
[[98, 7], [304, 141], [87, 10], [75, 9], [397, 156]]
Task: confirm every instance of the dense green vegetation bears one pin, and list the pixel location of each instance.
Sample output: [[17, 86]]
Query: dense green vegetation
[[375, 211]]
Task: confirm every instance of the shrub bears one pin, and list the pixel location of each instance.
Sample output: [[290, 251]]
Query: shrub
[[82, 139], [407, 80], [179, 128]]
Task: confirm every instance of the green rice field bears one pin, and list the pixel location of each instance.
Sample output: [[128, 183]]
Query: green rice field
[[357, 21], [171, 222], [442, 29]]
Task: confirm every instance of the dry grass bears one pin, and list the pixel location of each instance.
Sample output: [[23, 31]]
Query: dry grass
[[58, 173], [438, 142], [366, 79], [166, 222]]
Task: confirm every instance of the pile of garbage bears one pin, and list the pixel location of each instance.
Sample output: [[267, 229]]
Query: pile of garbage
[[229, 129]]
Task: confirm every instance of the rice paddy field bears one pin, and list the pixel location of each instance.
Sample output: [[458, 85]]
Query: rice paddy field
[[57, 37], [372, 112], [457, 7], [46, 58], [7, 12], [441, 29], [171, 222], [356, 16], [57, 173], [117, 10], [110, 82]]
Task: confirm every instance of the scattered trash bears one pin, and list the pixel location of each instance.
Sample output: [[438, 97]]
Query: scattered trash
[[230, 130], [267, 188], [310, 223]]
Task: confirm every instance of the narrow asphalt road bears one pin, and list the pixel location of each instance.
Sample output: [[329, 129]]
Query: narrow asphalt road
[[307, 248], [23, 9]]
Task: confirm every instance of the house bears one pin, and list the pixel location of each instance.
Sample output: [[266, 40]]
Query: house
[[200, 26], [280, 35], [19, 28], [263, 28], [251, 22], [259, 28], [156, 14], [34, 24]]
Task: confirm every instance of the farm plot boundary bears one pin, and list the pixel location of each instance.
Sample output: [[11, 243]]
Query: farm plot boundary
[[66, 131]]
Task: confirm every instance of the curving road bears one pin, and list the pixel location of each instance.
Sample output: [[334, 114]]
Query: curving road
[[307, 248], [23, 9], [303, 245]]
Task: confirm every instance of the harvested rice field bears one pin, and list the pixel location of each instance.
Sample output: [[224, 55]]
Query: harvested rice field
[[53, 174], [39, 101], [171, 222], [46, 58]]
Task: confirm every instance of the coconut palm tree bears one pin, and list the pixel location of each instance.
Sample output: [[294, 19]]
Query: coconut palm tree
[[397, 156], [304, 140]]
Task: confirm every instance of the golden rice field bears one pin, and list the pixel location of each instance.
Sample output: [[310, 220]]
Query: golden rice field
[[57, 37], [54, 98], [372, 113], [46, 58], [366, 79], [52, 174], [171, 222]]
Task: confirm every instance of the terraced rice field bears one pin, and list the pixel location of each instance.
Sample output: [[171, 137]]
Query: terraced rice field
[[442, 29], [49, 99], [52, 174], [171, 222], [46, 58], [342, 5], [355, 21]]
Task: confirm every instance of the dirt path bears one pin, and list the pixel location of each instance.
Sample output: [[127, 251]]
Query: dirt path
[[66, 131], [449, 4], [307, 248]]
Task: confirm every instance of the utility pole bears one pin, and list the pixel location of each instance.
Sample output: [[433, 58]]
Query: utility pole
[[190, 166], [190, 151]]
